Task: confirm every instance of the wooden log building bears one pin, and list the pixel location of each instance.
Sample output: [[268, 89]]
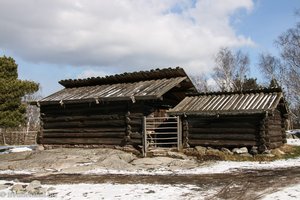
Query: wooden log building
[[109, 110], [236, 119]]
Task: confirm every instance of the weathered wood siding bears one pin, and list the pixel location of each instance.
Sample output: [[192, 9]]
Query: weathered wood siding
[[275, 130], [228, 131], [110, 123], [265, 132]]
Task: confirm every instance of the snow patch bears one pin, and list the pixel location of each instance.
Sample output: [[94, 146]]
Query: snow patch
[[291, 192], [19, 149], [294, 142], [210, 168], [16, 172]]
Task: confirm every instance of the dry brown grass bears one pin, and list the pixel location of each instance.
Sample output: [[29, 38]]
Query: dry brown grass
[[284, 152]]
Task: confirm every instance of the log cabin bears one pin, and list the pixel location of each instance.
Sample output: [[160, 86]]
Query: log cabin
[[109, 110], [234, 119]]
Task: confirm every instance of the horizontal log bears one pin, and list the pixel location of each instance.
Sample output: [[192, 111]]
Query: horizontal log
[[136, 122], [226, 136], [137, 129], [237, 124], [275, 139], [80, 118], [136, 141], [136, 135], [227, 118], [84, 111], [84, 135], [85, 130], [106, 123], [274, 127], [221, 143], [275, 133], [223, 130], [274, 145], [107, 141], [277, 122]]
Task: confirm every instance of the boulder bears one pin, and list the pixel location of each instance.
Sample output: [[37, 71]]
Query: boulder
[[246, 155], [176, 155], [51, 192], [211, 151], [34, 187], [35, 184], [242, 150], [3, 186], [18, 189], [127, 157], [227, 151], [201, 150], [254, 150], [40, 148]]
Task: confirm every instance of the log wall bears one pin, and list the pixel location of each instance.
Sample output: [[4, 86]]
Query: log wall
[[264, 131], [226, 131], [110, 123], [275, 130]]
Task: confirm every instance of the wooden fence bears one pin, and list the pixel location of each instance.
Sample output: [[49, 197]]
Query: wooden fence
[[18, 137]]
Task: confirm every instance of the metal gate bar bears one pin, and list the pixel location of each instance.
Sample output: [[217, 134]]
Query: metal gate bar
[[161, 131]]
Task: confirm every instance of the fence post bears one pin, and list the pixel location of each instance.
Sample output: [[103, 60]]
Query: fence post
[[144, 137], [179, 134]]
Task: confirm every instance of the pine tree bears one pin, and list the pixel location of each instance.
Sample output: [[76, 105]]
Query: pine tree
[[12, 111]]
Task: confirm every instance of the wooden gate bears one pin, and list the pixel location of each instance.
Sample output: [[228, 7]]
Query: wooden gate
[[161, 132]]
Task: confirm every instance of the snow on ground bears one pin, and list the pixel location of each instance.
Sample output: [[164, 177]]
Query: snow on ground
[[158, 191], [136, 192], [19, 149], [295, 142], [116, 191], [16, 149], [292, 192], [209, 168], [16, 172]]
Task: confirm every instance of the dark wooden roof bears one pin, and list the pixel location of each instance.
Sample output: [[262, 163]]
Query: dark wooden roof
[[144, 85], [228, 103], [126, 77]]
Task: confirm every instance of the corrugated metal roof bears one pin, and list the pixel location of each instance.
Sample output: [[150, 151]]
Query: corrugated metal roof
[[151, 89], [228, 103]]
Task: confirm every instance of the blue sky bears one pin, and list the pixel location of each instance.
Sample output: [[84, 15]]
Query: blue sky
[[54, 40]]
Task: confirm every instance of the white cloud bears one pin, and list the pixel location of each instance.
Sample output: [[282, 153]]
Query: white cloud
[[92, 73], [127, 35]]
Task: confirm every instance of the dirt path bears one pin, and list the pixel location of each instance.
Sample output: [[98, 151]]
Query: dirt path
[[243, 184]]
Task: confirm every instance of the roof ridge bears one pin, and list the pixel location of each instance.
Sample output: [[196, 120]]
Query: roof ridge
[[126, 77], [261, 90]]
